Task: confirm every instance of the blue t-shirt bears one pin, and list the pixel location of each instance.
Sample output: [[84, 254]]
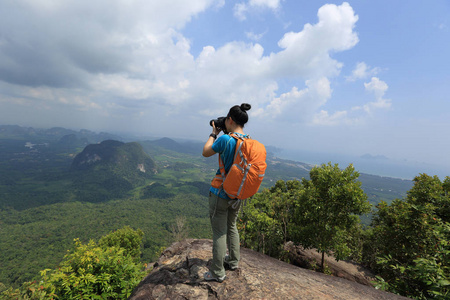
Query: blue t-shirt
[[225, 145]]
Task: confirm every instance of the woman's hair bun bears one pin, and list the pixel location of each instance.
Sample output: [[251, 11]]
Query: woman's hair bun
[[239, 113], [245, 106]]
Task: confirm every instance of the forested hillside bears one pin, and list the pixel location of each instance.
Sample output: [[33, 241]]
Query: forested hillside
[[48, 197]]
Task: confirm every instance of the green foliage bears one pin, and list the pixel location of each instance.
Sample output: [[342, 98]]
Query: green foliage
[[328, 209], [425, 278], [157, 190], [263, 221], [417, 264], [319, 213], [429, 190], [126, 238], [90, 271]]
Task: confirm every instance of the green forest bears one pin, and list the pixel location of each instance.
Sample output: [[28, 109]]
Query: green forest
[[55, 209]]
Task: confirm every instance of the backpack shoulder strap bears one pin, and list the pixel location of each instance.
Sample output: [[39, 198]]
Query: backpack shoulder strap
[[239, 137], [221, 163], [239, 143]]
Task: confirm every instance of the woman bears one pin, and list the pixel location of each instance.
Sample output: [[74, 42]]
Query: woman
[[223, 211]]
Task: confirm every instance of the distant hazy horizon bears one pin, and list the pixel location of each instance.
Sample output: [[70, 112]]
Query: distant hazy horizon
[[365, 163], [382, 166]]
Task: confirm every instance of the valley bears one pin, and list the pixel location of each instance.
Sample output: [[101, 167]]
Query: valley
[[46, 202]]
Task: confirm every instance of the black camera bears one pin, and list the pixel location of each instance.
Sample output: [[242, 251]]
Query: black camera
[[219, 123]]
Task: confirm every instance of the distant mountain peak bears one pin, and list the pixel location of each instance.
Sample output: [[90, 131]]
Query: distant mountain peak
[[374, 157], [94, 153], [116, 157]]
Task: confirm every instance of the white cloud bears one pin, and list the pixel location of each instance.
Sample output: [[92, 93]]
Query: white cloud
[[356, 114], [378, 88], [62, 44], [272, 4], [299, 106], [134, 61], [254, 36], [241, 9], [362, 71], [323, 118], [307, 53], [228, 74]]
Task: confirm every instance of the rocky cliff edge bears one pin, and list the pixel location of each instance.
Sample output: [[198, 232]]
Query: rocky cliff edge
[[178, 274]]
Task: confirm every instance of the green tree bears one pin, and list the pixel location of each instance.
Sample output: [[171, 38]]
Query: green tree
[[429, 190], [417, 264], [327, 211], [126, 238], [266, 218], [318, 213]]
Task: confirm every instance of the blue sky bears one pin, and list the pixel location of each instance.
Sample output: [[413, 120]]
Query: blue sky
[[350, 78]]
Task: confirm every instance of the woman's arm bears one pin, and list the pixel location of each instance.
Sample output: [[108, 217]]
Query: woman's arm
[[207, 148]]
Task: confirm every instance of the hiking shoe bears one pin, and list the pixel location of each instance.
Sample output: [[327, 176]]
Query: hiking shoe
[[226, 263], [210, 277]]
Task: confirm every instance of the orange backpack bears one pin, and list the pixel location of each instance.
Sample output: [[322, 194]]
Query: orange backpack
[[247, 172]]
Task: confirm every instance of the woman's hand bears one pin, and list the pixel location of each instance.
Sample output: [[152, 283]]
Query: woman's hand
[[207, 148], [215, 130]]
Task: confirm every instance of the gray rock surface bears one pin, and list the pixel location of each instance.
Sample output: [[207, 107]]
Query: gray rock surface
[[178, 274]]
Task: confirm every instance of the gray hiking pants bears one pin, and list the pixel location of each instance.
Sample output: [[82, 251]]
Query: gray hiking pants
[[223, 222]]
